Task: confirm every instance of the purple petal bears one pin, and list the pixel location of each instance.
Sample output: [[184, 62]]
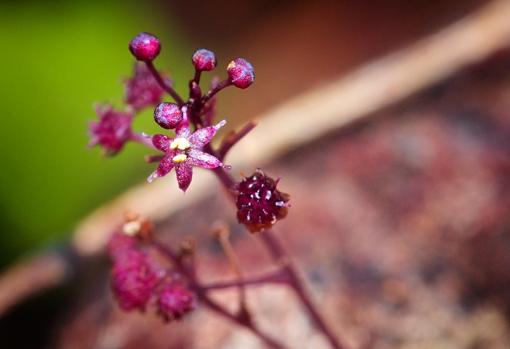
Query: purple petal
[[203, 136], [161, 142], [184, 172], [201, 159], [164, 167]]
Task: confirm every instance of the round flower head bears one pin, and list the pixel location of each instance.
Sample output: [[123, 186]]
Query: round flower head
[[133, 279], [204, 60], [240, 73], [175, 301], [145, 47], [259, 203], [112, 130], [167, 115]]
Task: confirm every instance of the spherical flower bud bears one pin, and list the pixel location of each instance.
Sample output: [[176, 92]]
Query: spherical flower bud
[[175, 301], [241, 73], [204, 60], [168, 115], [259, 203], [145, 47]]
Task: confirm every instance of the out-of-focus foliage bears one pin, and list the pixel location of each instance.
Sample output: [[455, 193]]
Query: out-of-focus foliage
[[56, 60]]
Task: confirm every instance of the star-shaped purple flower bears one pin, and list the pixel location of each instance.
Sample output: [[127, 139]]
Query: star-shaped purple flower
[[185, 151]]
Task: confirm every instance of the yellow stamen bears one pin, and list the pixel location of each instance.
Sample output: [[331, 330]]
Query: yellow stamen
[[180, 143], [179, 158]]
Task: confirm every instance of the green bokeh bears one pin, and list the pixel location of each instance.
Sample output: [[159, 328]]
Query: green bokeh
[[56, 61]]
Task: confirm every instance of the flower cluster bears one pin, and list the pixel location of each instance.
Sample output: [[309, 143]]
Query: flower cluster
[[191, 120], [112, 130], [188, 126], [138, 280]]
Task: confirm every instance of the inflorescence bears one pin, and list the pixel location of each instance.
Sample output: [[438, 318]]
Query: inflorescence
[[139, 279]]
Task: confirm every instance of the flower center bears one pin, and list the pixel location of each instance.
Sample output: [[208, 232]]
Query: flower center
[[180, 143], [179, 158]]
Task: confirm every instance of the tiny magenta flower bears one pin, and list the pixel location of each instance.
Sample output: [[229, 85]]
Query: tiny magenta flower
[[142, 90], [112, 130], [168, 115], [145, 47], [185, 151], [204, 60], [259, 204], [240, 73], [175, 301], [133, 279]]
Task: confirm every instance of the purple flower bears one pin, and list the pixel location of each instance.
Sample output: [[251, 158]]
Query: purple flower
[[133, 279], [142, 90], [259, 203], [112, 130], [175, 301], [185, 151]]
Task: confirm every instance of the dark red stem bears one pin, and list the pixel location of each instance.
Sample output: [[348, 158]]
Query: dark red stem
[[220, 86], [201, 293], [163, 84], [233, 138], [270, 342], [273, 278], [279, 255]]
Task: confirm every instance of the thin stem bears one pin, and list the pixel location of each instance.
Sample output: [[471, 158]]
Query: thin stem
[[270, 342], [163, 84], [230, 140], [223, 238], [220, 86], [273, 278], [207, 301], [280, 255], [196, 78]]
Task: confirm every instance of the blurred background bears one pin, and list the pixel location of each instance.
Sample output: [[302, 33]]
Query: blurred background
[[59, 58]]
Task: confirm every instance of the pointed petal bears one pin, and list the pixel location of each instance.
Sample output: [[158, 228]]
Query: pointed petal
[[199, 158], [164, 167], [203, 136], [184, 172], [161, 142]]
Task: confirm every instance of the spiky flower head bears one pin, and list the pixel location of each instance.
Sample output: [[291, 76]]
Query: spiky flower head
[[112, 130], [259, 204]]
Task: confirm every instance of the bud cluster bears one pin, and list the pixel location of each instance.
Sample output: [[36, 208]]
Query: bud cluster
[[139, 281]]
